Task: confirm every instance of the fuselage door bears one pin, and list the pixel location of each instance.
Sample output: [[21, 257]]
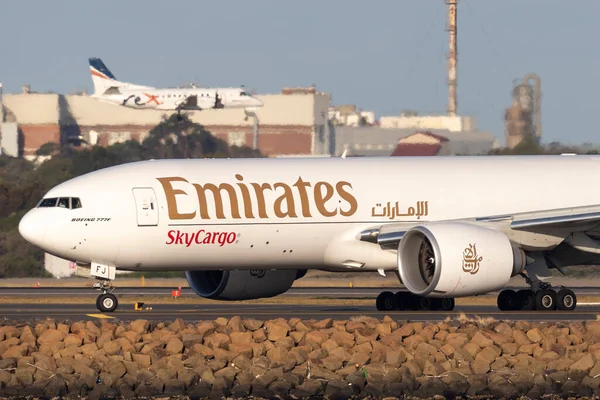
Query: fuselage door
[[146, 206]]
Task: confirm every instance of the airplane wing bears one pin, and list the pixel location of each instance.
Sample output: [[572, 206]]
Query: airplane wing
[[192, 102], [572, 219], [189, 103]]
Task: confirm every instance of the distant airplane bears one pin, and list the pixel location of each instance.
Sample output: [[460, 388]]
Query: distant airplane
[[108, 88], [248, 228]]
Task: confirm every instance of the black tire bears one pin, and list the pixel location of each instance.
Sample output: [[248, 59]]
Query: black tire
[[545, 300], [107, 302], [410, 301], [425, 303], [436, 304], [385, 301], [527, 299], [566, 300], [509, 300], [401, 299], [447, 304]]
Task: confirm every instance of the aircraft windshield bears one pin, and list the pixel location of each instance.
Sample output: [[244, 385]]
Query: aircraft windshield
[[244, 94], [62, 202]]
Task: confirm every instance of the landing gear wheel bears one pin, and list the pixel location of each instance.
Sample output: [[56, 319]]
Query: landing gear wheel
[[509, 300], [527, 299], [566, 300], [401, 301], [425, 303], [447, 304], [386, 301], [107, 302], [545, 300]]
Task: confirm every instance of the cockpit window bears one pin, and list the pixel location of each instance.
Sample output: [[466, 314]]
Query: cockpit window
[[244, 94], [62, 202], [48, 202]]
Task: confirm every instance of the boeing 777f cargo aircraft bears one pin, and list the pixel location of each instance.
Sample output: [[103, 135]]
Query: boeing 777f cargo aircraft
[[107, 88], [248, 228]]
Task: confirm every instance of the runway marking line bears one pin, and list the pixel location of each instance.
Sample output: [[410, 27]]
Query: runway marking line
[[99, 316]]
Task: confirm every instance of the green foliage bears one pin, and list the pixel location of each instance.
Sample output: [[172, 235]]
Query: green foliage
[[22, 184]]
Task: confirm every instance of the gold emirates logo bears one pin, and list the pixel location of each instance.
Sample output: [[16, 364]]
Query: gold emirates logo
[[284, 206], [471, 262]]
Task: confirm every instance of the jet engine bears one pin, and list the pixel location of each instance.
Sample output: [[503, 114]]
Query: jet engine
[[242, 284], [451, 259]]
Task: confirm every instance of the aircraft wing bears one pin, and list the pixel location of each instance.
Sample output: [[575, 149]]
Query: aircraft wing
[[189, 103], [572, 219], [192, 102], [562, 218]]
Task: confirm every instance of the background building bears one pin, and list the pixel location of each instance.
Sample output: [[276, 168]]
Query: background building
[[455, 136], [292, 122]]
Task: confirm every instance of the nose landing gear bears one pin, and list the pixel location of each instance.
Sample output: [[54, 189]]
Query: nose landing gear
[[104, 274], [106, 302]]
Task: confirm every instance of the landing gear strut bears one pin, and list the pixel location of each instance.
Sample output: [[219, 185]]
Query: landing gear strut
[[106, 302], [545, 298], [406, 301]]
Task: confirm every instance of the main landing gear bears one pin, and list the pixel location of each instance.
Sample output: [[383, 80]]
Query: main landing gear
[[406, 301], [106, 302], [546, 299]]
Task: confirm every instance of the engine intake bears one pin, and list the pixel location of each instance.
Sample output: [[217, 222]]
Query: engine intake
[[242, 284], [457, 259]]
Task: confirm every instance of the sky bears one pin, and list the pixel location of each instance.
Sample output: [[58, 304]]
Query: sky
[[384, 56]]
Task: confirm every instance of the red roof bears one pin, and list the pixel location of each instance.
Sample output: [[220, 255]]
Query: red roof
[[433, 135], [416, 149]]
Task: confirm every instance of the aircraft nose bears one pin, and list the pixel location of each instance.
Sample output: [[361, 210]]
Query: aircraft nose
[[32, 229], [258, 102]]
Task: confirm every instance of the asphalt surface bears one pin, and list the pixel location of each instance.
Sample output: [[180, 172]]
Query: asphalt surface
[[335, 292], [168, 312]]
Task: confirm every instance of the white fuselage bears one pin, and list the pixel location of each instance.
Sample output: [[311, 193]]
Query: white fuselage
[[171, 99], [288, 213]]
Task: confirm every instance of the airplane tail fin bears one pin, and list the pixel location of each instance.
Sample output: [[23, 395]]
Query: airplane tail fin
[[104, 80]]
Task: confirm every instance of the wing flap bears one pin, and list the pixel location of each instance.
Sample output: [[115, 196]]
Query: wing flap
[[575, 218], [557, 218]]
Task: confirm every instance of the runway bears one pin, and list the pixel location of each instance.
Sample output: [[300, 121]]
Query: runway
[[330, 292], [168, 312]]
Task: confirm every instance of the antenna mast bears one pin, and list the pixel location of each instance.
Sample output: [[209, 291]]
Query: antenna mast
[[452, 56]]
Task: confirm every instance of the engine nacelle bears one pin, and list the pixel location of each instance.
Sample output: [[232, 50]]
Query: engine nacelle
[[242, 284], [453, 259]]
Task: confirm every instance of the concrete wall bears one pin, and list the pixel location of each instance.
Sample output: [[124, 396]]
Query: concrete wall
[[453, 124], [9, 142]]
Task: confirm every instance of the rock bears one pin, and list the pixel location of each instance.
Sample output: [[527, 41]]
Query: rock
[[586, 363], [15, 352], [309, 388], [50, 336], [277, 332], [317, 337], [240, 337], [174, 346], [535, 335], [323, 324], [177, 326], [252, 324], [217, 340]]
